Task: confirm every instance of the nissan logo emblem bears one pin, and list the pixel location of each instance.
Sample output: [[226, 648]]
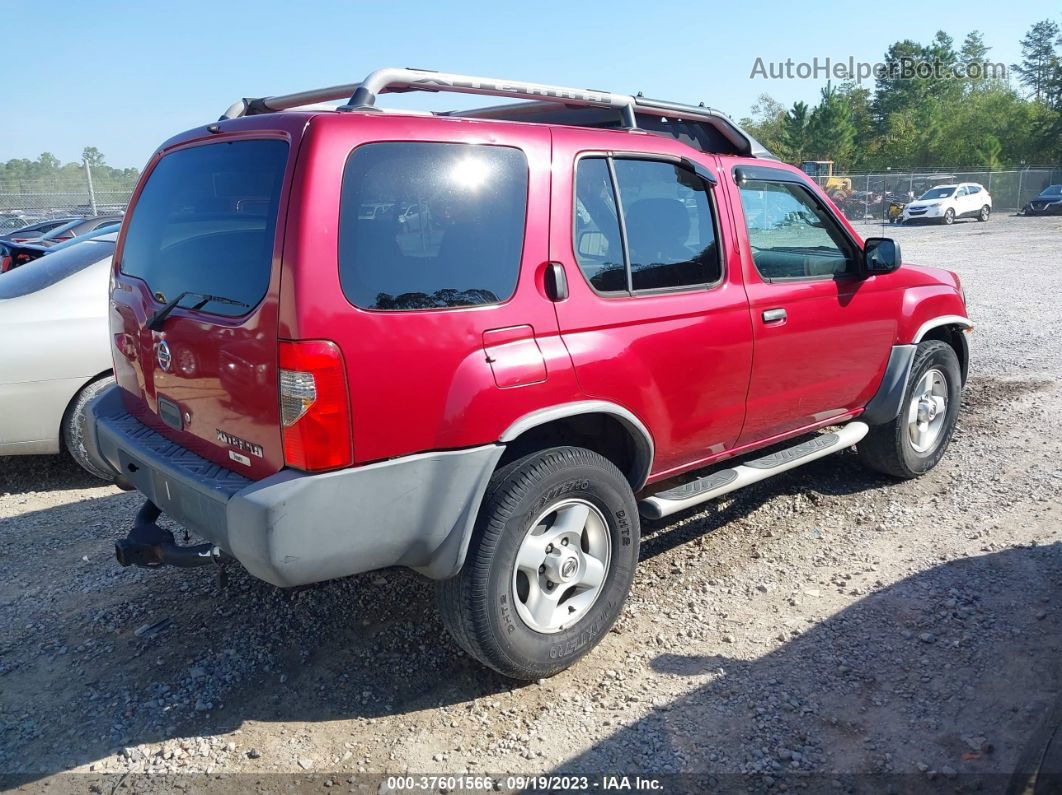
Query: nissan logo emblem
[[162, 353]]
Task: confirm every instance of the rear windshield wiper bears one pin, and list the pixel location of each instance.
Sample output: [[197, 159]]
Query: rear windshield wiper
[[157, 319]]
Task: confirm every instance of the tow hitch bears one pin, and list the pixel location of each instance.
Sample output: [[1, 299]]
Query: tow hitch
[[152, 546]]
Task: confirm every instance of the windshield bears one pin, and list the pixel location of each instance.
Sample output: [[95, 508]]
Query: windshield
[[53, 268], [206, 223], [937, 193], [1052, 190]]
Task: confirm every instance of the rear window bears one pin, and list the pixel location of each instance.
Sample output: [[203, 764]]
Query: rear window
[[205, 223], [53, 268], [431, 225]]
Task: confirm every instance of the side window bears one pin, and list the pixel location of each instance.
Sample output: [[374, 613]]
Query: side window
[[431, 225], [598, 243], [792, 235], [667, 219], [973, 189]]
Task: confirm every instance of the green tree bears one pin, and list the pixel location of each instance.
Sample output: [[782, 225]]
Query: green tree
[[830, 129], [989, 151], [92, 156], [766, 124], [895, 89], [1038, 58], [796, 132], [973, 55]]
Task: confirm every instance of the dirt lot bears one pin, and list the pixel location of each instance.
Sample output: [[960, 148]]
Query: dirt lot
[[827, 621]]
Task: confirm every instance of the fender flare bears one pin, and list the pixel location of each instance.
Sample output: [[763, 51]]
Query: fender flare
[[937, 322], [887, 402], [645, 450]]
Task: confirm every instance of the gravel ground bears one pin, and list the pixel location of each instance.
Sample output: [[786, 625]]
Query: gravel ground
[[827, 621]]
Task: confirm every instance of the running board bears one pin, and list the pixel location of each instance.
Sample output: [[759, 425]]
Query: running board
[[724, 481]]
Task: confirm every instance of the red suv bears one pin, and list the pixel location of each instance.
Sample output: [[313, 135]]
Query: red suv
[[479, 344]]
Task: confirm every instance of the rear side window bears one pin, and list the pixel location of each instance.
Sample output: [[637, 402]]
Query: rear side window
[[667, 239], [431, 225], [205, 223]]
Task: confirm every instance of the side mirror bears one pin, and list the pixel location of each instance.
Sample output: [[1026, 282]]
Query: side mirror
[[881, 255]]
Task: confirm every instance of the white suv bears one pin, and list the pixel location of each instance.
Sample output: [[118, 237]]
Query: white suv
[[945, 203]]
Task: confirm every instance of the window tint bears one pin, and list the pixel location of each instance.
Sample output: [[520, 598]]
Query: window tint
[[668, 219], [598, 244], [206, 222], [791, 234], [667, 215], [937, 193], [431, 225], [974, 189], [54, 267]]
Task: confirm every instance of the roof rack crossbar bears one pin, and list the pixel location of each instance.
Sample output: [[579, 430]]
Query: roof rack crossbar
[[391, 80]]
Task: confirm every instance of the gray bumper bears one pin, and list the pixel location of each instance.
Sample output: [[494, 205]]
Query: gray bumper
[[294, 528]]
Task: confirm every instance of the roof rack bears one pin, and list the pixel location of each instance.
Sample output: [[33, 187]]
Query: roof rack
[[546, 99]]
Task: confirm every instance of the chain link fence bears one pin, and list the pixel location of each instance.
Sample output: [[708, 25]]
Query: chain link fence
[[88, 193], [867, 196], [860, 196]]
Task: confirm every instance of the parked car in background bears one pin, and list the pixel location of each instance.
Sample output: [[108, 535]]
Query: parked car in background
[[37, 229], [75, 228], [14, 255], [1049, 202], [54, 349], [945, 203]]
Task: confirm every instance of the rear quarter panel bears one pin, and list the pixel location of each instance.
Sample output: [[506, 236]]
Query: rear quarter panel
[[420, 380]]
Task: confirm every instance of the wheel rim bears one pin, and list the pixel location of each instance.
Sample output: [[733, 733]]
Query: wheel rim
[[928, 411], [561, 566], [949, 216], [984, 213]]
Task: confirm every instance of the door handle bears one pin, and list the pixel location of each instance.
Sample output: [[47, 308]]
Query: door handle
[[556, 282], [774, 315]]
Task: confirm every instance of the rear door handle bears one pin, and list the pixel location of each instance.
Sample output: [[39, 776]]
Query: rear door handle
[[774, 315]]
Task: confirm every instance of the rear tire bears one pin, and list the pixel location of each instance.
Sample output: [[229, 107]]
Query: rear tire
[[73, 427], [985, 214], [915, 441], [528, 619]]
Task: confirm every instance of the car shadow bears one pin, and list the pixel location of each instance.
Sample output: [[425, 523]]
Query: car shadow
[[94, 657], [940, 682], [22, 474]]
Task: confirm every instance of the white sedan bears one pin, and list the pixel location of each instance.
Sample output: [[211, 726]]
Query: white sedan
[[944, 203], [54, 348]]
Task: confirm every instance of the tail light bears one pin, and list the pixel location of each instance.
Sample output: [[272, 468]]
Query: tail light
[[314, 406]]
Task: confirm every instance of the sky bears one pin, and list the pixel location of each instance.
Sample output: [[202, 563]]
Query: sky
[[125, 76]]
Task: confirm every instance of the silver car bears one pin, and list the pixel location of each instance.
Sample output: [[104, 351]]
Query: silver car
[[54, 349]]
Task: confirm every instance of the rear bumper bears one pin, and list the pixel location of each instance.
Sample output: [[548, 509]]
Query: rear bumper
[[294, 528]]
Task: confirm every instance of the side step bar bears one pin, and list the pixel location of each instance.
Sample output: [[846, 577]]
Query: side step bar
[[724, 481]]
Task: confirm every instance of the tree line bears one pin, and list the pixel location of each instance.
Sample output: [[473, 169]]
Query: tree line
[[48, 173], [977, 120]]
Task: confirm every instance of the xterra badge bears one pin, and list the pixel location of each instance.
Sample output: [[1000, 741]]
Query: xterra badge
[[238, 443]]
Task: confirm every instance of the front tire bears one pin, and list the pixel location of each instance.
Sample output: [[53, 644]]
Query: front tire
[[549, 565], [915, 441], [949, 217]]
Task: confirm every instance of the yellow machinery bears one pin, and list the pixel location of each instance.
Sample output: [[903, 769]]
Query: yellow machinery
[[837, 188]]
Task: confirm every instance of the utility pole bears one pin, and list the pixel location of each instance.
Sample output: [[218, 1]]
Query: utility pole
[[91, 190]]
